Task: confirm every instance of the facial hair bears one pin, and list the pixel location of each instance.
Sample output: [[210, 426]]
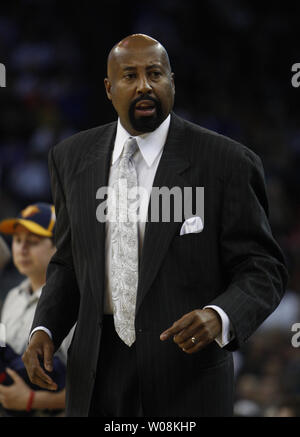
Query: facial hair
[[146, 123]]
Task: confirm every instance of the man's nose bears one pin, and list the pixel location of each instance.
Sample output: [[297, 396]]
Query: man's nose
[[143, 86]]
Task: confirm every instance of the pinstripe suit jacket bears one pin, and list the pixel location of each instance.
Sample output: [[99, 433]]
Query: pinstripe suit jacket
[[234, 263]]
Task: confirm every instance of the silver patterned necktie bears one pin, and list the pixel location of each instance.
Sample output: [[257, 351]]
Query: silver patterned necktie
[[124, 244]]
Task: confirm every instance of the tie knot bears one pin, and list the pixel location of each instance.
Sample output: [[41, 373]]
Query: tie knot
[[129, 148]]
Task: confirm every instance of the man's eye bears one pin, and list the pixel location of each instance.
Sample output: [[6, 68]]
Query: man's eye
[[155, 74], [130, 75]]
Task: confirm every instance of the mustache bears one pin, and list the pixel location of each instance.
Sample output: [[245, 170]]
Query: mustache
[[140, 98]]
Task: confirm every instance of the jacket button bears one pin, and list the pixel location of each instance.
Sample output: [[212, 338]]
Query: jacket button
[[93, 374], [140, 330]]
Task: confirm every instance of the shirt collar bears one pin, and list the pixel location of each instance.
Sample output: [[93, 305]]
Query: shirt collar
[[150, 143], [25, 287]]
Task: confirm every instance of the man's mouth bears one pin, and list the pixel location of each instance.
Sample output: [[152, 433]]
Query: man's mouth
[[145, 108]]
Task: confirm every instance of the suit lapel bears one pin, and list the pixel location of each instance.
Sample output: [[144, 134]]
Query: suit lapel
[[158, 235], [99, 154]]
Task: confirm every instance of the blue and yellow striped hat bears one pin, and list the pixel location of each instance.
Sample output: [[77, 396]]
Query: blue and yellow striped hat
[[38, 219]]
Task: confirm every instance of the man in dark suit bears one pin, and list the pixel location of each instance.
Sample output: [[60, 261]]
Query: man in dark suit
[[158, 316]]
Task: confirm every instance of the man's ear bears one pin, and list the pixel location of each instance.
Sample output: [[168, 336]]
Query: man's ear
[[107, 85], [173, 81]]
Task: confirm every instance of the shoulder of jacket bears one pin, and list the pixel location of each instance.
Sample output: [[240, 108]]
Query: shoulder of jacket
[[224, 144], [82, 138]]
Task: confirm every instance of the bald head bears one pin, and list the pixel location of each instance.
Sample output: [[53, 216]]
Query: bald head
[[135, 43], [140, 83]]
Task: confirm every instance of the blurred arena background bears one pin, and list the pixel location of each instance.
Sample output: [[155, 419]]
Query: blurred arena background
[[232, 62]]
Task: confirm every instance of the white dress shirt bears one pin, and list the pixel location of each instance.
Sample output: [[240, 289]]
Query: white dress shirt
[[17, 316], [146, 160]]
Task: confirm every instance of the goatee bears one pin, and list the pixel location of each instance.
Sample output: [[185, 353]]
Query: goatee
[[146, 123]]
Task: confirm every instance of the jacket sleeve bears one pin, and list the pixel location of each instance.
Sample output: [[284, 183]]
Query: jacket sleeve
[[253, 264], [58, 305]]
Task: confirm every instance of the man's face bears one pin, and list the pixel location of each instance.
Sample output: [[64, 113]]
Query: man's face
[[141, 87], [31, 253]]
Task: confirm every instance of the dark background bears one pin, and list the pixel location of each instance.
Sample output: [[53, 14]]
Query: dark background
[[232, 62]]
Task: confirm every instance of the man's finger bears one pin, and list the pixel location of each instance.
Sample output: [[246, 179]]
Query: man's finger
[[177, 326], [195, 347], [43, 380], [186, 334], [43, 384], [48, 358], [37, 374]]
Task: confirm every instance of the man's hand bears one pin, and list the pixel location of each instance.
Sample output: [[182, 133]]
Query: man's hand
[[194, 330], [41, 346]]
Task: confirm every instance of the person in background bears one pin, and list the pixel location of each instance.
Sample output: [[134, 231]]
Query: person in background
[[32, 249]]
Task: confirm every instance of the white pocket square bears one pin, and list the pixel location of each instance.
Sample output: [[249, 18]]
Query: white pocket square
[[192, 225]]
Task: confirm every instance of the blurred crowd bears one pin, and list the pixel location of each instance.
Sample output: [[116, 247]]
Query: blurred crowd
[[232, 62]]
